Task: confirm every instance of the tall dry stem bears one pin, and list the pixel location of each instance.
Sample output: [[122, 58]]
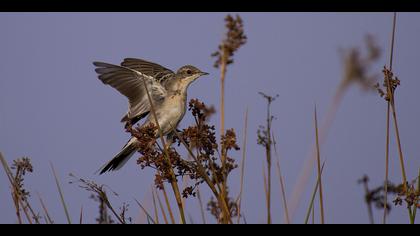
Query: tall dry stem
[[318, 155]]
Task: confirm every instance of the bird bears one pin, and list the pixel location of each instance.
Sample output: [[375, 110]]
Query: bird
[[167, 90]]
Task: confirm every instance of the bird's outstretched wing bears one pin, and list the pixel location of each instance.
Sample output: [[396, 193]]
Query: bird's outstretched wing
[[157, 71], [131, 83]]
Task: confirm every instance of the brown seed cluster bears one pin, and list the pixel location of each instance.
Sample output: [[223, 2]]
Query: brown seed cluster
[[229, 143], [202, 138], [264, 132], [357, 67], [390, 84], [376, 196], [235, 38], [200, 111], [216, 210], [201, 141], [229, 140], [411, 197], [103, 216], [99, 194], [152, 155], [21, 167]]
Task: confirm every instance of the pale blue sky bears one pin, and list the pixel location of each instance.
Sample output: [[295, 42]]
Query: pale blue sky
[[53, 107]]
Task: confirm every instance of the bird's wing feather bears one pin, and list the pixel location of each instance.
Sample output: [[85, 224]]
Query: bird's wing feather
[[157, 71], [129, 82]]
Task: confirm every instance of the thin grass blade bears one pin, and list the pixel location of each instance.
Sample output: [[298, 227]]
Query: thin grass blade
[[63, 202]]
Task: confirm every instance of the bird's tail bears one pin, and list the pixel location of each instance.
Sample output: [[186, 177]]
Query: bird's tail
[[121, 158]]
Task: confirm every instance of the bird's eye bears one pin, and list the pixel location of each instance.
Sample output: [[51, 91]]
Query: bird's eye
[[189, 72]]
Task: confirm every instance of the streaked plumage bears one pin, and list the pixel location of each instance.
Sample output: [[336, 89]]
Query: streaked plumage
[[168, 92]]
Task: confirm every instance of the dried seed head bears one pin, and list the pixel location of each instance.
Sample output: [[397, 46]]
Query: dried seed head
[[390, 84], [21, 167], [200, 136], [357, 68], [216, 210], [235, 38], [376, 196]]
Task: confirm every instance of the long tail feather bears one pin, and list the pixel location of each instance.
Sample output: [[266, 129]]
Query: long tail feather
[[121, 158]]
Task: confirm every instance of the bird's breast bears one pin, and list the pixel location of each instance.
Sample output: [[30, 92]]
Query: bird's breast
[[170, 112]]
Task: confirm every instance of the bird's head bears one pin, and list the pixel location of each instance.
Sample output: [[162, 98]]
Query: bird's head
[[188, 74]]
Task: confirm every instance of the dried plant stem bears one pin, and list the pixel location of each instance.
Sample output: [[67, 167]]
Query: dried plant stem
[[17, 200], [208, 181], [81, 216], [25, 210], [413, 218], [321, 200], [17, 203], [268, 153], [266, 141], [24, 203], [34, 216], [178, 200], [168, 205], [155, 207], [391, 103], [313, 214], [226, 218], [283, 193], [310, 161], [394, 24], [265, 184], [108, 204], [386, 166], [314, 192], [397, 133], [17, 211], [332, 111], [61, 194], [239, 199], [281, 180], [235, 38], [200, 202], [161, 208], [149, 217], [388, 118], [174, 183], [394, 113], [223, 66], [369, 204], [185, 180], [47, 215]]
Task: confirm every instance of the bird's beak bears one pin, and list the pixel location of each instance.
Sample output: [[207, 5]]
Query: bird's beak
[[204, 73]]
